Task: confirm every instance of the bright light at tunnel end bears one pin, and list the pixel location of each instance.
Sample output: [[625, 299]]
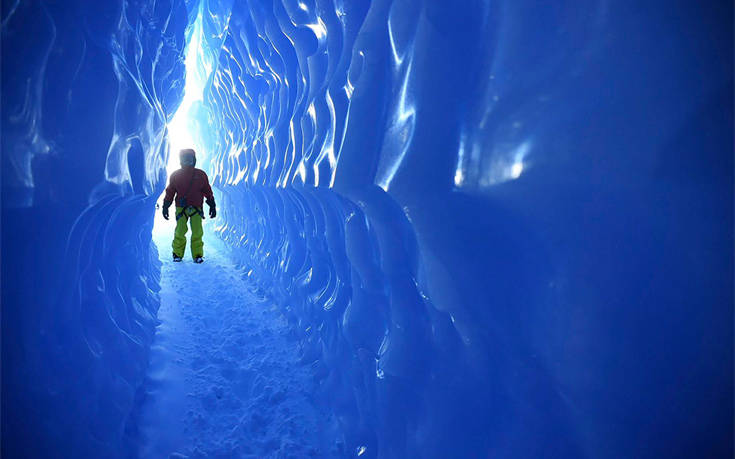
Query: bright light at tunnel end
[[179, 129], [197, 73]]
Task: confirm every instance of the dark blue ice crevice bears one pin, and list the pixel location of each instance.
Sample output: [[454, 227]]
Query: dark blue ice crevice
[[492, 223], [87, 87]]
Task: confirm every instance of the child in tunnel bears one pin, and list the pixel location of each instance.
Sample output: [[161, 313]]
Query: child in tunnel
[[189, 186]]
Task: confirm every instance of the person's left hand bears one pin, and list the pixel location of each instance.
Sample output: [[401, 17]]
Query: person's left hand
[[212, 211]]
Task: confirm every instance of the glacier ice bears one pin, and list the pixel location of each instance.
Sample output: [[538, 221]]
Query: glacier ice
[[86, 90], [499, 228]]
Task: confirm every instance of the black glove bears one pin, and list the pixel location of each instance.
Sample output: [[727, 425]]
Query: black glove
[[166, 205], [212, 208]]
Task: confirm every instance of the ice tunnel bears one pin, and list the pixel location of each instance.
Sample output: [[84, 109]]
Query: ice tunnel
[[488, 228]]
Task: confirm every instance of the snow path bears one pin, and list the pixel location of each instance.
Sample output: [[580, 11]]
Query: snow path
[[224, 378]]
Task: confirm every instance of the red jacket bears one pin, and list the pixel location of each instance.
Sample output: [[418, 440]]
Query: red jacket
[[178, 186]]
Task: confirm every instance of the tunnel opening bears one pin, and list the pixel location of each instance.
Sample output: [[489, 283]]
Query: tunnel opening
[[185, 126]]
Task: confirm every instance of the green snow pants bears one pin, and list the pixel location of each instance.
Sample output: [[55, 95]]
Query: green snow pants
[[197, 244]]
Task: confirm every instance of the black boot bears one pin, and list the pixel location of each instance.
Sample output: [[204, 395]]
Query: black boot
[[177, 258], [198, 259]]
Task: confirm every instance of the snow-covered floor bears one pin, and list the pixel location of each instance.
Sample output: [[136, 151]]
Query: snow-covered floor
[[224, 378]]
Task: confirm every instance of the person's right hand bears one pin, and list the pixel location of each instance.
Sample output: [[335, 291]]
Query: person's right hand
[[166, 205]]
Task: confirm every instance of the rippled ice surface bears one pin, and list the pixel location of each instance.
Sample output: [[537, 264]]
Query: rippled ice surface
[[487, 228]]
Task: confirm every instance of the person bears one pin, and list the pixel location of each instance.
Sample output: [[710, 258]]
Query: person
[[189, 186]]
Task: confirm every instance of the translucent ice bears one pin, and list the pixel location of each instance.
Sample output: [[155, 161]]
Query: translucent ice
[[500, 229]]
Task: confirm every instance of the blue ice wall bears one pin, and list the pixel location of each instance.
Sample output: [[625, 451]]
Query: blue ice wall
[[504, 229], [86, 88]]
